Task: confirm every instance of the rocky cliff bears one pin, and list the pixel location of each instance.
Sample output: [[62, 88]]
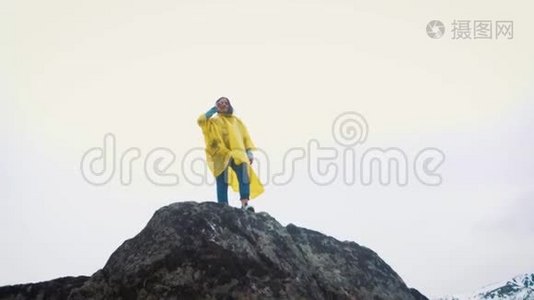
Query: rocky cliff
[[192, 250]]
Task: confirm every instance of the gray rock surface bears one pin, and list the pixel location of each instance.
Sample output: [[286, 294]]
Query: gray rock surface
[[55, 289], [192, 250]]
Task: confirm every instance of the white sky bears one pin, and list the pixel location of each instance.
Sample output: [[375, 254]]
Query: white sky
[[72, 71]]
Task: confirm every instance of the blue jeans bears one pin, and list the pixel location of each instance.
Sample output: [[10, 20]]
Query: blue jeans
[[243, 178]]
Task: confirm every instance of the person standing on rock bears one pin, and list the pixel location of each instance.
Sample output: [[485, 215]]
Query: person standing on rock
[[228, 143]]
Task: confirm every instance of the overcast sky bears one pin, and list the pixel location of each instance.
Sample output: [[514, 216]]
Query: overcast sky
[[73, 71]]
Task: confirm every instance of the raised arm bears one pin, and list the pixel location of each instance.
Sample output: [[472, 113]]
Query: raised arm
[[205, 116]]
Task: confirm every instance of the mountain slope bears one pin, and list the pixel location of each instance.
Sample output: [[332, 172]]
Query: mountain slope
[[209, 251], [518, 288]]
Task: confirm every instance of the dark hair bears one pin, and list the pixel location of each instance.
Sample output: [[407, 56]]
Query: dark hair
[[231, 108]]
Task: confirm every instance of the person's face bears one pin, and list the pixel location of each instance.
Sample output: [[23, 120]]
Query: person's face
[[223, 105]]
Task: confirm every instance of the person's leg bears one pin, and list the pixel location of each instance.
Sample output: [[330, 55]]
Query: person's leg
[[222, 187], [244, 182]]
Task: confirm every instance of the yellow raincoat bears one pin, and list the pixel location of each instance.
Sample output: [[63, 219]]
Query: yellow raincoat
[[227, 137]]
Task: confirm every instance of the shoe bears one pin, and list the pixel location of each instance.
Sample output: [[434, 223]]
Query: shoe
[[248, 207]]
